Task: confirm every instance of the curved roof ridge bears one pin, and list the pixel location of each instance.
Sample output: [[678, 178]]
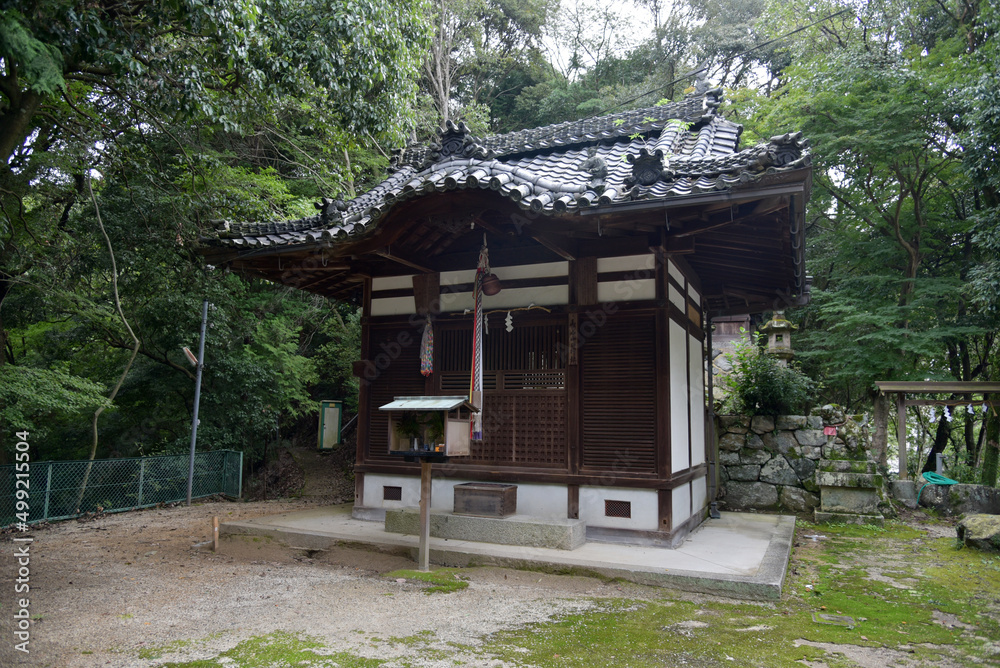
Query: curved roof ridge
[[611, 127]]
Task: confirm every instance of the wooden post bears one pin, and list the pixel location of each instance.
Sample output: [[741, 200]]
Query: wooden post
[[425, 514], [991, 447], [215, 534], [901, 433]]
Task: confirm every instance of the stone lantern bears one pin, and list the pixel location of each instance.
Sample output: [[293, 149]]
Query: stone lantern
[[779, 337]]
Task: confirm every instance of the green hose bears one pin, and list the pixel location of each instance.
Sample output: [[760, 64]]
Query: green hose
[[935, 479]]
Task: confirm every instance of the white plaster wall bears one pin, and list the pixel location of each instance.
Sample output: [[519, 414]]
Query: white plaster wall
[[680, 505], [694, 294], [697, 376], [626, 290], [392, 282], [678, 398], [645, 507], [675, 272], [548, 295], [677, 299], [641, 285], [699, 494], [532, 499], [394, 306], [373, 490]]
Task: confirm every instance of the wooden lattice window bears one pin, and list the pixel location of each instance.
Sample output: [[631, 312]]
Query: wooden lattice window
[[396, 353], [524, 402], [618, 370], [615, 508], [392, 493]]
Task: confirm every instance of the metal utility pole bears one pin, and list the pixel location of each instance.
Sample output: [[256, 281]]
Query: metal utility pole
[[197, 396]]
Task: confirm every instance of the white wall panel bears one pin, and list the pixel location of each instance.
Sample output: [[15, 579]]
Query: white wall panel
[[626, 290], [394, 306], [392, 283], [697, 376], [645, 507], [699, 494], [680, 505], [678, 398]]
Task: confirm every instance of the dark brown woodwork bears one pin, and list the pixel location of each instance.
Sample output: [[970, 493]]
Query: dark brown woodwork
[[427, 293], [663, 389], [573, 502], [583, 282], [664, 509], [619, 395], [395, 371], [406, 262], [525, 474]]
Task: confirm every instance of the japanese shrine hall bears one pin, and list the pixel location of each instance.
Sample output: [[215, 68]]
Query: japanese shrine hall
[[615, 241]]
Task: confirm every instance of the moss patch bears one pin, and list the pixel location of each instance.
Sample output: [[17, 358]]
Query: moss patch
[[904, 592], [280, 650], [444, 580]]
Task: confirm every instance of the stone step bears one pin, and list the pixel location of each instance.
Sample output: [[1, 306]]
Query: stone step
[[846, 466], [862, 480], [524, 530]]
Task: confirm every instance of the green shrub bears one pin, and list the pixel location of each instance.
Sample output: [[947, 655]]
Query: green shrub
[[759, 385]]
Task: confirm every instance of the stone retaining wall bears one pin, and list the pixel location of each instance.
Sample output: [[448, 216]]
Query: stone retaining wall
[[769, 463]]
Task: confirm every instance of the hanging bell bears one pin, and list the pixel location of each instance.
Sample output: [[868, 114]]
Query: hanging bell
[[490, 284]]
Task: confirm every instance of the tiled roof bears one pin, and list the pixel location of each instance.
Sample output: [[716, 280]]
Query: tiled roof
[[657, 153]]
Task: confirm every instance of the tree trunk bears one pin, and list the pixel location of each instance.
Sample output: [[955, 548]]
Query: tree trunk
[[15, 124], [131, 359]]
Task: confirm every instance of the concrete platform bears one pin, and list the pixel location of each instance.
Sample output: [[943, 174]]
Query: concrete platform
[[524, 530], [741, 555]]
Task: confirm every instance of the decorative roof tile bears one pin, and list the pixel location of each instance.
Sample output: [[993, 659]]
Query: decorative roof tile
[[677, 149]]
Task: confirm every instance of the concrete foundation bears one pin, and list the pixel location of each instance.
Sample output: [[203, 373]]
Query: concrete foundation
[[739, 555], [524, 530]]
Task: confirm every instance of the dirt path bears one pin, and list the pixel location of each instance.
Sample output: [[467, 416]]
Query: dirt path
[[122, 589]]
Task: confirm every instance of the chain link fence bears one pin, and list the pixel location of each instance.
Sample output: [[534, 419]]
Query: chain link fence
[[61, 490]]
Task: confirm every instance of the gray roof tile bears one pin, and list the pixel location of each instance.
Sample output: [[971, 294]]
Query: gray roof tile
[[544, 168]]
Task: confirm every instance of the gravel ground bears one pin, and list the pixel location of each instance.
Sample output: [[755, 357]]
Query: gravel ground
[[104, 590]]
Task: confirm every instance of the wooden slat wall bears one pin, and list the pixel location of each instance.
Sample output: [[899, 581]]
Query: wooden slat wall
[[400, 378], [619, 395]]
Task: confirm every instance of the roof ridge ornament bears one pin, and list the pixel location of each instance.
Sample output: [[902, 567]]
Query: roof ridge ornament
[[784, 150], [456, 141], [330, 208], [647, 168], [598, 169]]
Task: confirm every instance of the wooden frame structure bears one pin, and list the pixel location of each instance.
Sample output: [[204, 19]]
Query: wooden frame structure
[[903, 388], [616, 240]]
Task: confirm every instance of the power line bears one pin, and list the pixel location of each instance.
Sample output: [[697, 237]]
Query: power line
[[688, 75]]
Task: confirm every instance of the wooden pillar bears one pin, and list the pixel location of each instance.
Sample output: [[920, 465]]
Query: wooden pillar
[[425, 514], [901, 433]]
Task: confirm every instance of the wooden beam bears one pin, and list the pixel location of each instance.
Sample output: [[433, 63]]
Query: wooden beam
[[406, 262], [952, 402], [550, 243], [925, 387]]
